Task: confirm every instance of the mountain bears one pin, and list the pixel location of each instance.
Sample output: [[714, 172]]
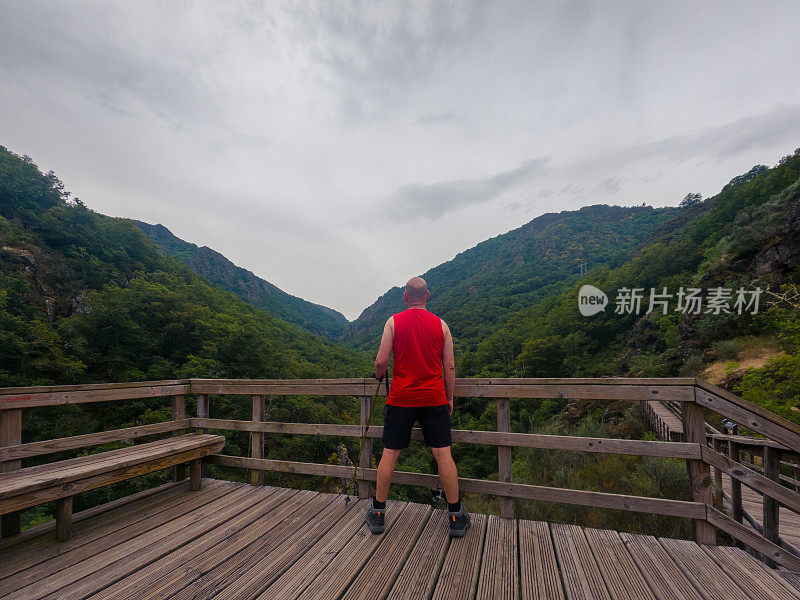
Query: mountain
[[746, 237], [481, 288], [217, 269], [85, 297]]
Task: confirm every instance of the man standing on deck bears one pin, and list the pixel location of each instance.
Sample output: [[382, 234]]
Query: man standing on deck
[[423, 349]]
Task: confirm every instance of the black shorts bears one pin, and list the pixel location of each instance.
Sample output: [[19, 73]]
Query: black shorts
[[398, 421]]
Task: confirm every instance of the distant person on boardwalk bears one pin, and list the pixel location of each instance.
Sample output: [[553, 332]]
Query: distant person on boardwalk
[[422, 390]]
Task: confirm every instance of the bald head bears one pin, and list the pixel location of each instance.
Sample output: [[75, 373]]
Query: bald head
[[416, 290]]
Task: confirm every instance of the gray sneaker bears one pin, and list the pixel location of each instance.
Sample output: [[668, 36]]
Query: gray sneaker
[[459, 522], [375, 519]]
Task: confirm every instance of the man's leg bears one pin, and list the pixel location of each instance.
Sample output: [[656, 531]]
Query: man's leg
[[448, 474], [436, 430], [386, 473], [397, 422]]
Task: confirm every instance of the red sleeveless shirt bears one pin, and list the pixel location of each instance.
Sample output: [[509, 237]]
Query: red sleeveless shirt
[[417, 347]]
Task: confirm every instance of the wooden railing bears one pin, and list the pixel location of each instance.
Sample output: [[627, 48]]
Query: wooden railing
[[694, 396], [770, 460]]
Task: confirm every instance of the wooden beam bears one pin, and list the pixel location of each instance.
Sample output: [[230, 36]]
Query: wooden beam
[[179, 414], [771, 516], [597, 391], [763, 484], [202, 408], [607, 381], [88, 440], [257, 440], [26, 400], [694, 430], [10, 435], [746, 441], [504, 456], [196, 477], [466, 436], [751, 538], [287, 388], [365, 459], [63, 518], [82, 387], [718, 490], [657, 506], [598, 388], [755, 409], [751, 416]]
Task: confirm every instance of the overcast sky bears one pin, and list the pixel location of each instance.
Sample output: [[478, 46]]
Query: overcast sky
[[337, 149]]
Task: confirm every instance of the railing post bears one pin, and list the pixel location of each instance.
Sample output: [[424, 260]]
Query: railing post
[[365, 460], [737, 509], [772, 470], [694, 431], [202, 410], [63, 518], [504, 456], [718, 491], [202, 413], [796, 471], [178, 413], [10, 435], [257, 441]]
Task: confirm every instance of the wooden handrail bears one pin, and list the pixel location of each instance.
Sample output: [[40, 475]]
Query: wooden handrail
[[106, 393], [657, 506], [782, 438], [681, 450], [88, 440], [599, 388], [752, 479]]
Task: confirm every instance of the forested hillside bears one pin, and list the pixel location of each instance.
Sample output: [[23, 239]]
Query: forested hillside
[[217, 269], [747, 236], [481, 288], [85, 297]]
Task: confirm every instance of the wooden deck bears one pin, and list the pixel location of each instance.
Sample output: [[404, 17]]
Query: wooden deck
[[232, 540]]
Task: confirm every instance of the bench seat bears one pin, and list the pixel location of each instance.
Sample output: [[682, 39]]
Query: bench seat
[[61, 480]]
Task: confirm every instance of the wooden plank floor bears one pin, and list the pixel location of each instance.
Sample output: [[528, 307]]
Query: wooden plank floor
[[235, 541]]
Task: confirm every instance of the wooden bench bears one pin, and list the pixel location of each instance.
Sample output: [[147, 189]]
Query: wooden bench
[[61, 480]]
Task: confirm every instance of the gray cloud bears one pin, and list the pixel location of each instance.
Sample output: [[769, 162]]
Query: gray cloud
[[434, 200], [778, 126]]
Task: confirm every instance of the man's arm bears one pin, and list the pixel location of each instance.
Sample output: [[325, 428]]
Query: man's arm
[[448, 365], [385, 351]]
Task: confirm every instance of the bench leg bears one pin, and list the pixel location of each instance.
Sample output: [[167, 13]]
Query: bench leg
[[9, 525], [63, 518], [10, 435], [196, 474]]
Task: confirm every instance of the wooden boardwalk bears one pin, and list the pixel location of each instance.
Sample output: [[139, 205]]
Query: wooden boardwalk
[[668, 426], [235, 541], [665, 423], [753, 503]]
